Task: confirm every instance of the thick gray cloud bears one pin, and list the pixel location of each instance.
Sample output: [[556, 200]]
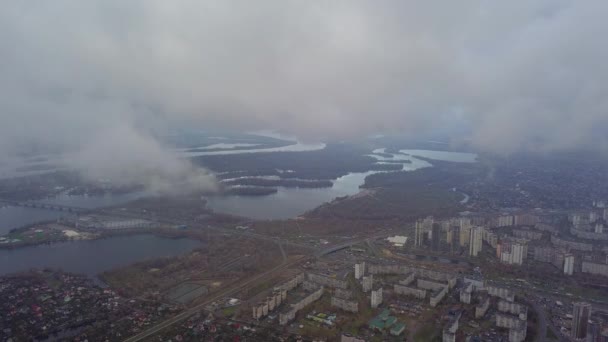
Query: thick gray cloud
[[124, 157], [522, 74]]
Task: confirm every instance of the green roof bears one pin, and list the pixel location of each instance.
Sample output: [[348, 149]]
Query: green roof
[[390, 321], [384, 315], [376, 324], [398, 328]]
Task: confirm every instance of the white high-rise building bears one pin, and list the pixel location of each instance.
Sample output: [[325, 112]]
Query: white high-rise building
[[599, 228], [475, 241], [593, 217], [376, 297], [506, 220], [359, 270], [464, 222], [569, 264], [577, 219], [513, 254], [422, 229]]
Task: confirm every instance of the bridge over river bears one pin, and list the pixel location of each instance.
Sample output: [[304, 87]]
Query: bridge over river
[[46, 206]]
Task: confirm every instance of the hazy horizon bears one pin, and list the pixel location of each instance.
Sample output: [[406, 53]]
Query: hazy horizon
[[107, 77]]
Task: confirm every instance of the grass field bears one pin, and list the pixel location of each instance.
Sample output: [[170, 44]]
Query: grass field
[[428, 333]]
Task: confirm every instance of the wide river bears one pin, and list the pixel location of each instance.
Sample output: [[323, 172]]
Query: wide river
[[291, 202]]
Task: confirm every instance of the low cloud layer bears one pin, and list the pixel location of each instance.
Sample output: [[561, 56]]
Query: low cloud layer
[[124, 157], [519, 74]]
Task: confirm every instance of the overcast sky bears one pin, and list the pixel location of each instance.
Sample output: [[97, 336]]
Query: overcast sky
[[521, 74]]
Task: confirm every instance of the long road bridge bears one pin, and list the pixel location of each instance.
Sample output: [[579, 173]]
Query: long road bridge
[[347, 244], [46, 206]]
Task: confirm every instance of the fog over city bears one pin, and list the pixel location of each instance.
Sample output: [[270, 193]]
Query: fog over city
[[507, 76], [282, 171]]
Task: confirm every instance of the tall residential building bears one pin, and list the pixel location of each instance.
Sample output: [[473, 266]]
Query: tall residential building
[[606, 214], [506, 220], [453, 237], [448, 235], [525, 220], [418, 235], [422, 229], [436, 237], [599, 228], [464, 235], [359, 270], [464, 222], [581, 314], [490, 238], [519, 253], [513, 253], [569, 264], [576, 219], [376, 299], [475, 241], [450, 330]]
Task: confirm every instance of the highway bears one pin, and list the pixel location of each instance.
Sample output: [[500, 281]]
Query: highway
[[199, 307], [349, 243], [244, 233], [238, 287], [254, 235], [543, 324]]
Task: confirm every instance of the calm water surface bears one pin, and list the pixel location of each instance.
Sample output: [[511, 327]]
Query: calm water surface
[[92, 257]]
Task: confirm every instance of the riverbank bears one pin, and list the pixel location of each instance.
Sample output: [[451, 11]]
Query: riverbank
[[52, 233]]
